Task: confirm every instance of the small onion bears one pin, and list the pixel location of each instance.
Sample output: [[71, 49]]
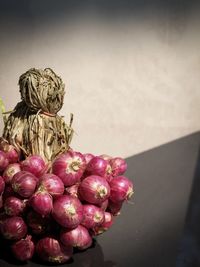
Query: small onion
[[72, 190], [24, 183], [108, 222], [97, 166], [88, 157], [92, 216], [121, 188], [78, 237], [68, 211], [53, 184], [35, 165], [42, 203], [115, 207], [51, 250], [13, 228], [3, 161], [23, 249], [10, 171], [94, 189], [14, 206], [37, 223], [118, 165], [2, 185], [11, 152], [69, 167]]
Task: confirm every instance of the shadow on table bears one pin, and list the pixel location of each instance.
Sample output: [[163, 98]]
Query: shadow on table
[[189, 254]]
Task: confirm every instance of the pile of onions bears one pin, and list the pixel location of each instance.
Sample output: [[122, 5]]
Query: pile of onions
[[47, 209]]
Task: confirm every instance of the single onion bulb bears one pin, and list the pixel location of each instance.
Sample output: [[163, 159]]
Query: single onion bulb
[[35, 165], [10, 171], [121, 188], [23, 249]]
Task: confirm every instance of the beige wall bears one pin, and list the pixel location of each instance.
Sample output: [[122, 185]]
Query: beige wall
[[132, 84]]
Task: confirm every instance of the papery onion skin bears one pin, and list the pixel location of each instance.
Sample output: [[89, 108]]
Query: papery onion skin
[[118, 165], [92, 216], [97, 166], [14, 206], [88, 157], [13, 228], [3, 161], [10, 171], [37, 223], [42, 203], [53, 184], [23, 249], [72, 190], [24, 183], [68, 211], [121, 188], [94, 189], [115, 207], [2, 185], [51, 250], [69, 166], [35, 165], [108, 222], [78, 237]]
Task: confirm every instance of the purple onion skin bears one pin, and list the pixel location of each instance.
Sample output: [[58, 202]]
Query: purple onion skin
[[23, 249], [88, 157], [12, 154], [94, 189], [97, 166], [3, 161], [92, 216], [121, 188], [13, 228], [108, 222], [118, 165], [68, 211], [42, 203], [53, 184], [115, 207], [35, 165], [72, 190], [51, 250], [78, 237], [104, 205], [2, 185], [69, 167], [14, 206], [24, 183], [10, 171]]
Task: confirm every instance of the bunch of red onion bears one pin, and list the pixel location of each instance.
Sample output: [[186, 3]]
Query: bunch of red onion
[[49, 209]]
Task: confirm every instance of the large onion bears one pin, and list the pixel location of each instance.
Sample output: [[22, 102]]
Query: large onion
[[23, 249], [78, 237], [51, 250], [68, 211], [69, 167], [94, 189]]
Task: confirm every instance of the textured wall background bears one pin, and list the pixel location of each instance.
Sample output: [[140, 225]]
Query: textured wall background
[[131, 68]]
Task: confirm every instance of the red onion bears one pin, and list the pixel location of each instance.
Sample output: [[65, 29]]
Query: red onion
[[118, 165], [69, 167], [78, 237], [35, 165], [3, 161], [115, 207], [37, 223], [92, 216], [23, 249], [24, 183], [14, 206], [8, 192], [51, 250], [68, 211], [72, 190], [121, 188], [108, 222], [2, 185], [1, 201], [42, 202], [10, 171], [13, 228], [97, 166], [104, 205], [88, 157], [94, 189], [11, 152], [53, 184]]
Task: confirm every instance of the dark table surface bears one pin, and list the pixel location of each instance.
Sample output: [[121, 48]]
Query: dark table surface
[[161, 226]]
